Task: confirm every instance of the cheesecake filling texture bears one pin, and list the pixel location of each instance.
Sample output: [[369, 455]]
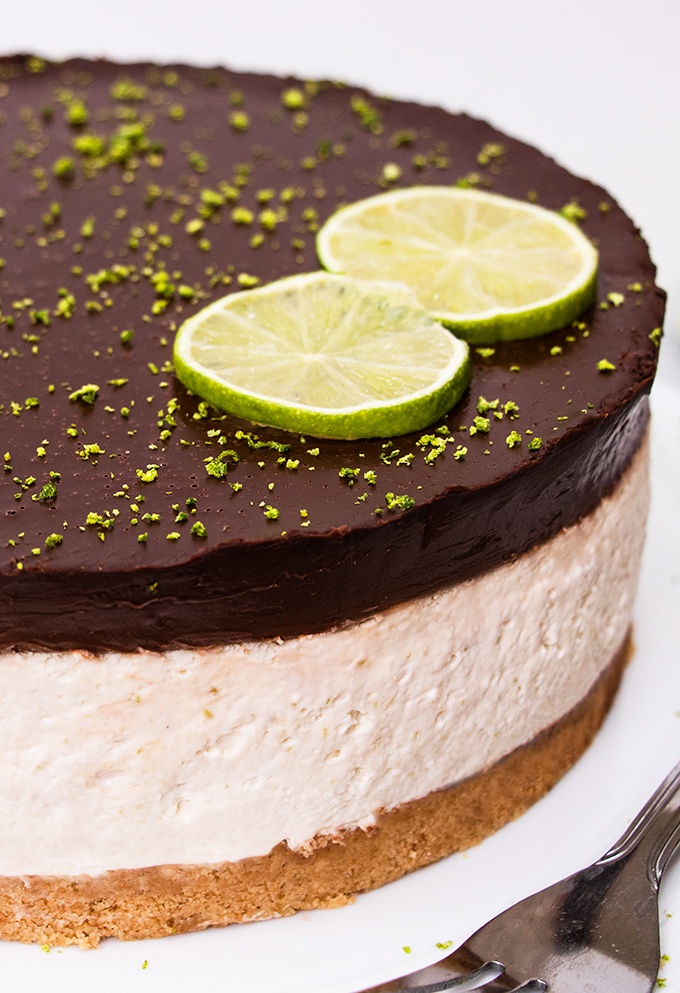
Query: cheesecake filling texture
[[125, 760]]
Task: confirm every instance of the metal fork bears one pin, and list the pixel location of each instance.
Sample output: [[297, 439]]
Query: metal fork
[[594, 932]]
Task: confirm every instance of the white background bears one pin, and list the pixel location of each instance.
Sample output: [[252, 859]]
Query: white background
[[596, 84]]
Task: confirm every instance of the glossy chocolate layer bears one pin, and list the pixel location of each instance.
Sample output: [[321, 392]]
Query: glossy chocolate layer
[[327, 557]]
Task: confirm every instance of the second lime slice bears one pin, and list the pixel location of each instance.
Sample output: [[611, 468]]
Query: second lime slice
[[324, 355], [489, 267]]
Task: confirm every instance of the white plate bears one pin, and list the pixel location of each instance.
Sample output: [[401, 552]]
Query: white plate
[[345, 950]]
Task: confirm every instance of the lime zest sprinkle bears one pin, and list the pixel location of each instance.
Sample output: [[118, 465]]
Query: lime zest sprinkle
[[219, 465], [293, 99], [484, 406], [85, 394], [88, 450], [403, 502], [573, 212], [391, 172], [254, 442], [369, 117], [481, 424], [349, 474], [149, 476], [47, 493]]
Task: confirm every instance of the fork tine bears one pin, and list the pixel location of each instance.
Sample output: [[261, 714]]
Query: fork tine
[[535, 985], [427, 981], [470, 981]]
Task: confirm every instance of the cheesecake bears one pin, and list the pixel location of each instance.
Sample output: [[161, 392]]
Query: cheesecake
[[246, 672]]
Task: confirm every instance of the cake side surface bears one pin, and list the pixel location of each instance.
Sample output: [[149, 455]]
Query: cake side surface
[[220, 755], [163, 900], [136, 244]]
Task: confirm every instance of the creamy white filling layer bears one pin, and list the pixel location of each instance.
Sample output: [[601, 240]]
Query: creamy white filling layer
[[130, 760]]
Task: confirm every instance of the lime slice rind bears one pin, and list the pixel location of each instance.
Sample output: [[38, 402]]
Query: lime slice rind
[[399, 374], [503, 269], [494, 325]]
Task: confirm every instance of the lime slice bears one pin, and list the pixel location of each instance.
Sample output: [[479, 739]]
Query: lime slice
[[490, 268], [324, 355]]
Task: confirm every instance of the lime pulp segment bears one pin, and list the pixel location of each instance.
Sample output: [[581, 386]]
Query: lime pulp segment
[[325, 355], [489, 267]]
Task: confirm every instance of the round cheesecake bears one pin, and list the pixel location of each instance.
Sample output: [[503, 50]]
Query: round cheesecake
[[238, 680]]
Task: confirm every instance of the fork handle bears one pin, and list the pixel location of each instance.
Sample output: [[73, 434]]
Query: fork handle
[[658, 823]]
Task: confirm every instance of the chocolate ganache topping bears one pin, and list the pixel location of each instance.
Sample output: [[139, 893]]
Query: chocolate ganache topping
[[135, 515]]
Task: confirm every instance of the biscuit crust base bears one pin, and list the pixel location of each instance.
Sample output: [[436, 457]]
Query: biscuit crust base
[[167, 899]]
